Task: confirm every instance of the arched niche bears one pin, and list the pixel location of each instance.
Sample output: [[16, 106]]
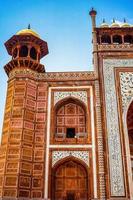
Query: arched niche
[[23, 51], [33, 53], [128, 39], [70, 179], [130, 132], [117, 39], [70, 119], [106, 39]]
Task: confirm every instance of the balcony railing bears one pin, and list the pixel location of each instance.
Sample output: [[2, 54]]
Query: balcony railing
[[77, 135]]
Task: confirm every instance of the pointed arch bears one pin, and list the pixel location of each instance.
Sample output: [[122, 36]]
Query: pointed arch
[[70, 158], [130, 131], [70, 118], [33, 53], [23, 51], [127, 147], [117, 39], [71, 176]]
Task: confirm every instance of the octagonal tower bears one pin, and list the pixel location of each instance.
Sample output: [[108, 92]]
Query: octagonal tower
[[21, 158]]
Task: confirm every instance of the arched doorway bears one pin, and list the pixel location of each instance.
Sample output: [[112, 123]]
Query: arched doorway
[[70, 181], [130, 132]]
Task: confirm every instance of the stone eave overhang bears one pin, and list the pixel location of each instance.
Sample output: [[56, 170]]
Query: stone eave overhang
[[18, 39]]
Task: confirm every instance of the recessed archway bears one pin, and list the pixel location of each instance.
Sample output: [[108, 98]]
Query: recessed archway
[[106, 39], [117, 39], [130, 131], [70, 119], [70, 180]]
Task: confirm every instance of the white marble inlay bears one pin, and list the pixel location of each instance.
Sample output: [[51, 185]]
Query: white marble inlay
[[59, 155], [114, 144], [126, 82], [81, 95]]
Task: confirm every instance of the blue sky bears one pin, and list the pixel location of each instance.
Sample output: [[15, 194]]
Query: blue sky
[[64, 24]]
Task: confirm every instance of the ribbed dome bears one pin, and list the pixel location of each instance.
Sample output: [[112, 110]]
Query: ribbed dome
[[27, 32]]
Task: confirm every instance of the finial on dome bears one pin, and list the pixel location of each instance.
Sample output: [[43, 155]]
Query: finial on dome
[[113, 20], [29, 27], [104, 24], [103, 20], [124, 20], [115, 24], [125, 24]]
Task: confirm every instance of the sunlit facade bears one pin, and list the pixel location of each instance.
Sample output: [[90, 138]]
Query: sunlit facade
[[69, 135]]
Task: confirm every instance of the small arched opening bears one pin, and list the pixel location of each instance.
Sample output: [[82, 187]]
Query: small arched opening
[[33, 53], [106, 39], [23, 51], [117, 39], [130, 132], [70, 180], [128, 39], [70, 119]]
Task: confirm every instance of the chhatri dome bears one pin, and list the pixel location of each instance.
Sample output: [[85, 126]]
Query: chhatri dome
[[125, 24], [28, 31], [104, 24], [115, 24]]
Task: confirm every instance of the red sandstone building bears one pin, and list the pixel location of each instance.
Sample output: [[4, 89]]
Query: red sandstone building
[[69, 136]]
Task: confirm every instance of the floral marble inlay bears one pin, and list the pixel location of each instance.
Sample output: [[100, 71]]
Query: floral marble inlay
[[126, 82], [113, 132], [58, 155], [81, 95]]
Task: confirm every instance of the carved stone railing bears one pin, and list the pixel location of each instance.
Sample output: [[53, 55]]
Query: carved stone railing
[[77, 135], [115, 46]]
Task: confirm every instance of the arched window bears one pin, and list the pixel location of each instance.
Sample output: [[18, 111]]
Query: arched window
[[106, 39], [130, 131], [15, 52], [23, 51], [33, 53], [70, 120], [117, 39], [128, 39]]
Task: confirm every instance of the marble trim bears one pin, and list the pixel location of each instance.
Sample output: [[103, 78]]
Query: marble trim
[[114, 145]]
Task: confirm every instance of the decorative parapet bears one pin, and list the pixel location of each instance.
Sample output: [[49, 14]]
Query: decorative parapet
[[115, 47]]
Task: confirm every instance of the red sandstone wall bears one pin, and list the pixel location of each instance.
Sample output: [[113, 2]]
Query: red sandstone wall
[[23, 140]]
